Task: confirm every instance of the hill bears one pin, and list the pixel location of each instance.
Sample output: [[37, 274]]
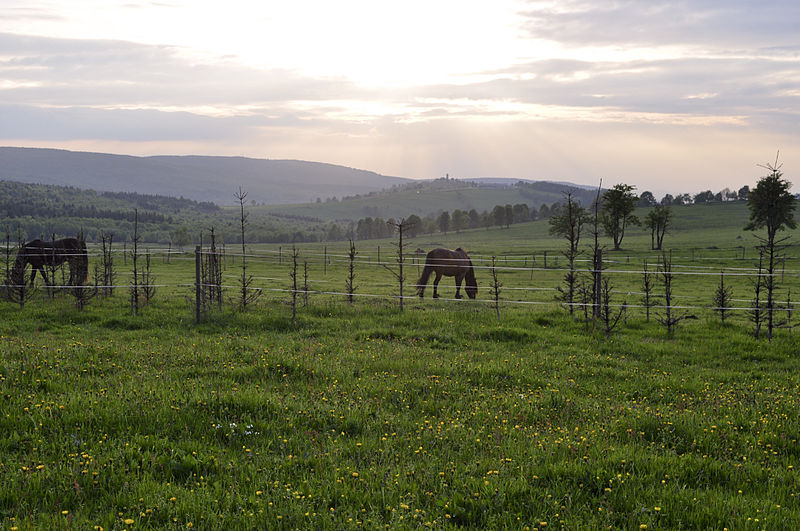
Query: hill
[[429, 197], [196, 177]]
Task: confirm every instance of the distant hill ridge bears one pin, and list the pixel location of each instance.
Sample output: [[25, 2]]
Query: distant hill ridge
[[201, 178], [292, 188]]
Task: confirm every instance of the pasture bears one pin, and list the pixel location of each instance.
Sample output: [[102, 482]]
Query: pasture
[[437, 416]]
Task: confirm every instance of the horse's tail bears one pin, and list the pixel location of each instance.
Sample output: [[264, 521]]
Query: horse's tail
[[423, 279], [18, 271]]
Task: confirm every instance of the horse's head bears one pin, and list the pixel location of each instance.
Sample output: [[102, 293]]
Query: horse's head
[[471, 290], [471, 286]]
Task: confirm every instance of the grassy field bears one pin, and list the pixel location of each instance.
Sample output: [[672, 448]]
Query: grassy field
[[437, 416]]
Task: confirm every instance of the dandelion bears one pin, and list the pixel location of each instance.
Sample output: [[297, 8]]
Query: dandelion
[[128, 521], [65, 512]]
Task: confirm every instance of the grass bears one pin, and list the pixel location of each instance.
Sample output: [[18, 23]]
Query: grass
[[365, 416]]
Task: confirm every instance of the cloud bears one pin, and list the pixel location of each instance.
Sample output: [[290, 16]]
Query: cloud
[[658, 85], [729, 24], [68, 72], [21, 14], [27, 122]]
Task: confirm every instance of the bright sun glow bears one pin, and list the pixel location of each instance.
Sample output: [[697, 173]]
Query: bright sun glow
[[370, 43]]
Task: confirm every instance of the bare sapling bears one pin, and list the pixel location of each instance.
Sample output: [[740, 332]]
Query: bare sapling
[[670, 317], [400, 227], [135, 290], [608, 316], [80, 292], [649, 300], [722, 298], [350, 282], [496, 288], [247, 293], [293, 276], [148, 280], [109, 275]]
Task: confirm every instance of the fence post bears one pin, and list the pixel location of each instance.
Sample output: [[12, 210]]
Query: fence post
[[197, 287]]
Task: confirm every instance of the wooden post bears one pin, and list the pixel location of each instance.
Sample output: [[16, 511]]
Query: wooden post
[[325, 262], [545, 259], [197, 286]]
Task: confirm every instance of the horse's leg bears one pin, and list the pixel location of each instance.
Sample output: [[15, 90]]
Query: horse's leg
[[459, 278], [33, 275], [42, 271], [436, 285]]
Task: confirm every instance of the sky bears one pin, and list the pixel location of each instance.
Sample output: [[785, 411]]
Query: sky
[[666, 95]]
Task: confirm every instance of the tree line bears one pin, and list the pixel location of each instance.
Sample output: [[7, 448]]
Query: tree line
[[771, 207], [445, 221], [647, 199]]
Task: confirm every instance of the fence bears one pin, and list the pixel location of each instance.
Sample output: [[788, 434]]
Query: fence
[[529, 279]]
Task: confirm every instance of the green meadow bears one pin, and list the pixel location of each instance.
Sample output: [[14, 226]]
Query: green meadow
[[447, 414]]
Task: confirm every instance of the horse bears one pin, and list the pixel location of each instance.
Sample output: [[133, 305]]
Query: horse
[[452, 264], [40, 253]]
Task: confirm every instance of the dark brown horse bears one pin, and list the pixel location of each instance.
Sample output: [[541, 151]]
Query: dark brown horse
[[452, 264], [40, 254]]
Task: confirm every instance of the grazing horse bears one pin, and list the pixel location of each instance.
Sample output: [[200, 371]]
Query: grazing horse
[[40, 253], [452, 264]]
